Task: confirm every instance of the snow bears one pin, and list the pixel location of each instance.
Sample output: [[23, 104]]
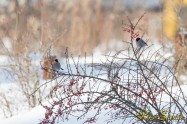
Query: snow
[[32, 117], [35, 115], [7, 43]]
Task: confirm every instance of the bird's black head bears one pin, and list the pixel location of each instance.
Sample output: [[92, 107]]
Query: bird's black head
[[137, 39], [56, 60]]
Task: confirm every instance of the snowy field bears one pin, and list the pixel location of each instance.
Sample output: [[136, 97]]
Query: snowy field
[[34, 116], [37, 114]]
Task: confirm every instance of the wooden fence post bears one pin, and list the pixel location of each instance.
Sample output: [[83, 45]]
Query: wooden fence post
[[48, 72]]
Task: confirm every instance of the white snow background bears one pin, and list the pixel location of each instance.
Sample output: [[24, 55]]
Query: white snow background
[[35, 115]]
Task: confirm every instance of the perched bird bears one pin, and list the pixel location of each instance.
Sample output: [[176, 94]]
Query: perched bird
[[56, 65], [140, 43]]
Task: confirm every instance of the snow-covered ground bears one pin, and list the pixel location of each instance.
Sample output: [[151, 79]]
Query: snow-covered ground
[[37, 114], [34, 116]]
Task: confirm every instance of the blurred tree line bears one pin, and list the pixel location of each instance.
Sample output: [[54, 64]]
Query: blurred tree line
[[34, 25]]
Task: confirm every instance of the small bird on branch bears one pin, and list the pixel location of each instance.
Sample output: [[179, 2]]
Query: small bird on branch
[[140, 43], [56, 66]]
